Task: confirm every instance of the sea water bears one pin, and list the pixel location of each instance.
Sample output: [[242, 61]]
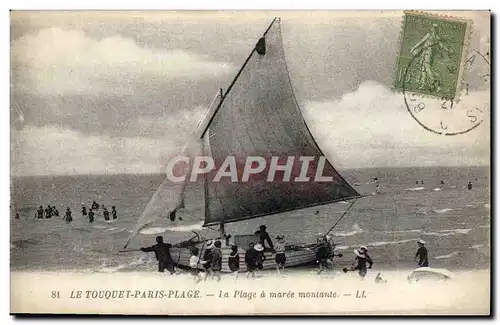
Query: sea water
[[454, 221]]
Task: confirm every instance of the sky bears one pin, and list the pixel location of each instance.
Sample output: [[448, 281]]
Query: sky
[[116, 92]]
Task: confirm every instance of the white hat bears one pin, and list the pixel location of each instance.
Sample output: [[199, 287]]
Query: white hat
[[358, 253], [259, 248], [421, 241], [210, 244], [363, 248]]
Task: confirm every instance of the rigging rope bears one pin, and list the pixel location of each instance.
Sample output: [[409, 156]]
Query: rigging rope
[[345, 212]]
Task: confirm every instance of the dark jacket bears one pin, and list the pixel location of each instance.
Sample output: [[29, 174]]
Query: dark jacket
[[207, 256], [162, 251], [422, 255], [251, 257], [234, 261], [322, 252], [216, 259], [264, 236], [360, 262]]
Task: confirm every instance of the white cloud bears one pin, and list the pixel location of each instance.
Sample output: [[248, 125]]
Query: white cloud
[[371, 127], [57, 61]]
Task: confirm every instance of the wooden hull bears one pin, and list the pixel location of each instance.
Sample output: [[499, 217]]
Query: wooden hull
[[294, 257]]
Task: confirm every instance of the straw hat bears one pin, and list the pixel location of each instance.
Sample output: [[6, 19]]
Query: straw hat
[[359, 254], [210, 244], [259, 248], [363, 249], [421, 241]]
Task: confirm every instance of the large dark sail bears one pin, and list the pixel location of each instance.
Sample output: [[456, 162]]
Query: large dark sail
[[259, 116]]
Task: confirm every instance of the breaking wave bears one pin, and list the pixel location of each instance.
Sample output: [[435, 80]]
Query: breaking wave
[[442, 210], [448, 232], [113, 269], [158, 230], [447, 255], [383, 243], [356, 229], [415, 189], [437, 189]]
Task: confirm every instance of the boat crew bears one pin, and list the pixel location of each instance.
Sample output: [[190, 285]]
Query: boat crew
[[322, 254], [194, 261], [360, 262], [280, 257], [207, 259], [251, 260], [217, 260], [162, 254], [91, 216], [264, 237], [260, 257], [233, 260], [422, 254]]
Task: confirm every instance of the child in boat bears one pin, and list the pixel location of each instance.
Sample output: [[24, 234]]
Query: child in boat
[[194, 261], [251, 260], [280, 257], [217, 260], [207, 259], [233, 260]]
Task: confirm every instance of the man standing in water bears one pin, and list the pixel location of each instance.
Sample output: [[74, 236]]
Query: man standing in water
[[40, 212], [162, 254], [84, 211], [91, 216], [422, 254], [67, 217], [105, 213], [114, 213]]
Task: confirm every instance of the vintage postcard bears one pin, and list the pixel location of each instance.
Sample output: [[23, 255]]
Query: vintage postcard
[[250, 162]]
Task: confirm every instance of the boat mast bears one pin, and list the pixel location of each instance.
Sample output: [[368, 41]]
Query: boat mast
[[234, 80]]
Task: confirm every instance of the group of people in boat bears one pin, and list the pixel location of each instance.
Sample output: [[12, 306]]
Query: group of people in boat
[[51, 211], [212, 258]]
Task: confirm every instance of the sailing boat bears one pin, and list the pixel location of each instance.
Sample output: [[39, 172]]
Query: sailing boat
[[257, 115]]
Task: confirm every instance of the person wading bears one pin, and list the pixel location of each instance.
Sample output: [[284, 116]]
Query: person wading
[[162, 254], [84, 211], [105, 213], [421, 256], [114, 213], [67, 217], [40, 212], [91, 216]]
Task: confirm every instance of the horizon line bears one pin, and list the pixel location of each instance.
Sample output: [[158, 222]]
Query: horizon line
[[162, 173]]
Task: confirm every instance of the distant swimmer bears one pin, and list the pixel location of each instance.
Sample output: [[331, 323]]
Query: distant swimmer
[[55, 212], [442, 182], [422, 182], [17, 216], [91, 216], [162, 254], [67, 217], [114, 213], [416, 182], [469, 186], [95, 206], [422, 254], [105, 213], [84, 210], [48, 212], [39, 212]]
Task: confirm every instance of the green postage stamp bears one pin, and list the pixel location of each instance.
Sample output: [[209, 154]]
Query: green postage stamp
[[432, 55]]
